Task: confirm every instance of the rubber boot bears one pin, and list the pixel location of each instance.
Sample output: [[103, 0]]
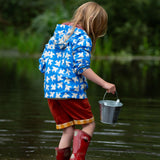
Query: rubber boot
[[63, 154], [81, 142]]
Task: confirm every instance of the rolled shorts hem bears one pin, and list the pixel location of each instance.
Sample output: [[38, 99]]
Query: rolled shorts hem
[[74, 122]]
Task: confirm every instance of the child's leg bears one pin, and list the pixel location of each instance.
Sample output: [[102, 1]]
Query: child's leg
[[81, 141], [66, 138], [63, 151], [89, 128]]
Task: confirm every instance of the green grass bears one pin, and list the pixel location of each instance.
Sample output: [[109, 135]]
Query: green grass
[[29, 42], [23, 42]]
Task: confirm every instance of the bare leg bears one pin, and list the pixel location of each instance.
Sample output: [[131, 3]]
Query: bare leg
[[66, 138], [89, 128]]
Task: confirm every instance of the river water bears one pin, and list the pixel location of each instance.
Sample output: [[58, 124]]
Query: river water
[[27, 129]]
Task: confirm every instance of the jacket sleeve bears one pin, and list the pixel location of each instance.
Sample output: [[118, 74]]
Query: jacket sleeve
[[43, 60], [81, 50]]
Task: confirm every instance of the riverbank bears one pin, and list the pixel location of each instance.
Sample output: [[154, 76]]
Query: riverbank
[[16, 54]]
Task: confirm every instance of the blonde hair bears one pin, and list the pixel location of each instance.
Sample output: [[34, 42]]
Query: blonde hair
[[92, 18]]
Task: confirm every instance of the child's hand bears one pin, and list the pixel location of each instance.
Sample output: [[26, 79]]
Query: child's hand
[[111, 88]]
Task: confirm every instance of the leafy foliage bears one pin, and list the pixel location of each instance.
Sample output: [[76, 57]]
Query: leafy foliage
[[133, 25]]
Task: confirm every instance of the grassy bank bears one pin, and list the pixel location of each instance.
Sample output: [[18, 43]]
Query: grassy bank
[[22, 42], [32, 43]]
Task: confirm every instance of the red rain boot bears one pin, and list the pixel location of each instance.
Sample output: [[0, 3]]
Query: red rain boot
[[63, 154], [81, 142]]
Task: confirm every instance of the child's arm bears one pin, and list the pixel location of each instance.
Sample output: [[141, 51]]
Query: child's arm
[[91, 75]]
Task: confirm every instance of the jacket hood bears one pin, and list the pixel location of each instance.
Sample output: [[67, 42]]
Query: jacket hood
[[62, 35]]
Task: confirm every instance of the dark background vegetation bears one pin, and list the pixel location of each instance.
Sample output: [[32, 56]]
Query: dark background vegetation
[[133, 27]]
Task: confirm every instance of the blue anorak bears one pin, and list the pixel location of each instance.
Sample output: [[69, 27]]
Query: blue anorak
[[63, 61]]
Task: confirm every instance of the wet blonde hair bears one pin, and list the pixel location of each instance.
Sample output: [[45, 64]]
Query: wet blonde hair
[[92, 18]]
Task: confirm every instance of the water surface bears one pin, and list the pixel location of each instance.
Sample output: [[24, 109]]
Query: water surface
[[27, 129]]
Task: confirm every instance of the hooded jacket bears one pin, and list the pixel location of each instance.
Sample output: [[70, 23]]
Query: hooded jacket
[[63, 61]]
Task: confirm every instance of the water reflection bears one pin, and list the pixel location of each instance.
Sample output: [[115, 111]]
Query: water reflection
[[27, 130]]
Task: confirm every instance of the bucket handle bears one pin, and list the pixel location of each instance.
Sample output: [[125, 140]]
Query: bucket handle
[[115, 93]]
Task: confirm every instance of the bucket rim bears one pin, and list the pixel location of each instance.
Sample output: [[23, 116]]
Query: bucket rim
[[119, 104]]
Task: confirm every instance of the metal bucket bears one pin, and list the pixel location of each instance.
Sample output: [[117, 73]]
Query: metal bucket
[[109, 110]]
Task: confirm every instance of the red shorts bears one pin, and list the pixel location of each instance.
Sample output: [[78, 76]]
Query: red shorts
[[70, 112]]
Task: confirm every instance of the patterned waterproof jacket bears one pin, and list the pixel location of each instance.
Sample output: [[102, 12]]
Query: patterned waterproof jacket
[[63, 61]]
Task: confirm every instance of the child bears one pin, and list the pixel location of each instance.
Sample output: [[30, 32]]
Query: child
[[65, 63]]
